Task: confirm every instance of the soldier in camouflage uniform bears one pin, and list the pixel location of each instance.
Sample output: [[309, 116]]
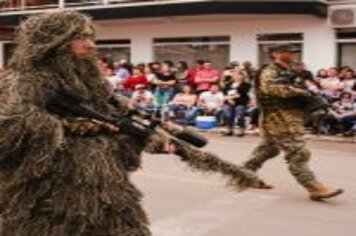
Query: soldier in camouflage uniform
[[282, 123]]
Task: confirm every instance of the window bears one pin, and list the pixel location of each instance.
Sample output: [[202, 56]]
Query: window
[[266, 41], [189, 49], [8, 50], [346, 42], [7, 33], [27, 4], [114, 49]]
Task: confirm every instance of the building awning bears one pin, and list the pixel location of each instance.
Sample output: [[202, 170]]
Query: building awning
[[191, 8]]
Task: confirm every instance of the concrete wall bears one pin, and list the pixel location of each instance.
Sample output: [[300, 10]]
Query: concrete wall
[[319, 39]]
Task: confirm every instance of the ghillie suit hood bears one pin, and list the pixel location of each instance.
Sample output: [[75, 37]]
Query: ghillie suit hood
[[43, 44], [53, 183], [43, 36]]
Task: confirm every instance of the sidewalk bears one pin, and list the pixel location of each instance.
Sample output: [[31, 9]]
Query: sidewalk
[[308, 136]]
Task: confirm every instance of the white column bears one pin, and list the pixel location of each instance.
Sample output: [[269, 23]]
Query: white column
[[61, 3], [2, 55], [320, 49], [141, 49], [244, 47]]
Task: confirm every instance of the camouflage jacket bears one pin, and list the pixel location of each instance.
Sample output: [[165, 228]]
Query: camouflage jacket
[[278, 100], [276, 88]]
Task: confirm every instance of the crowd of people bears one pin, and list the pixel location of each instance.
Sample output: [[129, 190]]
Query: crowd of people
[[183, 92]]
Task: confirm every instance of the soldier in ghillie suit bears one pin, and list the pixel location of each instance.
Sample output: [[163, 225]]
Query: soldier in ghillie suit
[[63, 176], [282, 122]]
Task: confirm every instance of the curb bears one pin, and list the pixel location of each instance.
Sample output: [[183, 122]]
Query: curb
[[307, 136]]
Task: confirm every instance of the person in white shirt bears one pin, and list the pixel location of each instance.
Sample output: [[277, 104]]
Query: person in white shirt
[[211, 100], [209, 103]]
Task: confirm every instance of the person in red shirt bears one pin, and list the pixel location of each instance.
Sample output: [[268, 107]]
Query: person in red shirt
[[193, 72], [205, 77], [136, 78]]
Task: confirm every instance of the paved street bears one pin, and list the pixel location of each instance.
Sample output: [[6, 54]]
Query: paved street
[[185, 203]]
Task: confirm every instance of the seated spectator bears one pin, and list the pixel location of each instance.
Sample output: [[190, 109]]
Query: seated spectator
[[183, 102], [143, 98], [332, 85], [165, 84], [209, 103], [342, 115], [236, 101], [205, 77], [136, 78]]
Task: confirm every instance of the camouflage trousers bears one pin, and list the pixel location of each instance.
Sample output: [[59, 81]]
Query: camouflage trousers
[[296, 155]]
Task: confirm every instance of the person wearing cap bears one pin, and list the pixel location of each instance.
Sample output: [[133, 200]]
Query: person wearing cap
[[59, 175], [282, 123], [143, 98]]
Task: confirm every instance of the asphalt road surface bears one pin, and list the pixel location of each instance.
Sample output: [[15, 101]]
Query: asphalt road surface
[[185, 203]]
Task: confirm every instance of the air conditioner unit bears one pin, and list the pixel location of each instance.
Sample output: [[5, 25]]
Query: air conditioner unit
[[342, 17]]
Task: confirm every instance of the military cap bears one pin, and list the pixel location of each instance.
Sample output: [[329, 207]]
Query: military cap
[[284, 48]]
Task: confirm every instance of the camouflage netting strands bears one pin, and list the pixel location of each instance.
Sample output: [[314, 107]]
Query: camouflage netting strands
[[239, 178], [53, 182]]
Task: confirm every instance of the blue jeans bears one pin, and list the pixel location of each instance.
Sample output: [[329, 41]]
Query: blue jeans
[[180, 112], [233, 112], [163, 96], [177, 108], [347, 122]]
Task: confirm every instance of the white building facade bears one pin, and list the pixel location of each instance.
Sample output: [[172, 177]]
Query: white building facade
[[221, 35], [241, 32]]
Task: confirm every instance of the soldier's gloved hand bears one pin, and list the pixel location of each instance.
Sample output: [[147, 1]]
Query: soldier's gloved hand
[[87, 127], [159, 144]]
